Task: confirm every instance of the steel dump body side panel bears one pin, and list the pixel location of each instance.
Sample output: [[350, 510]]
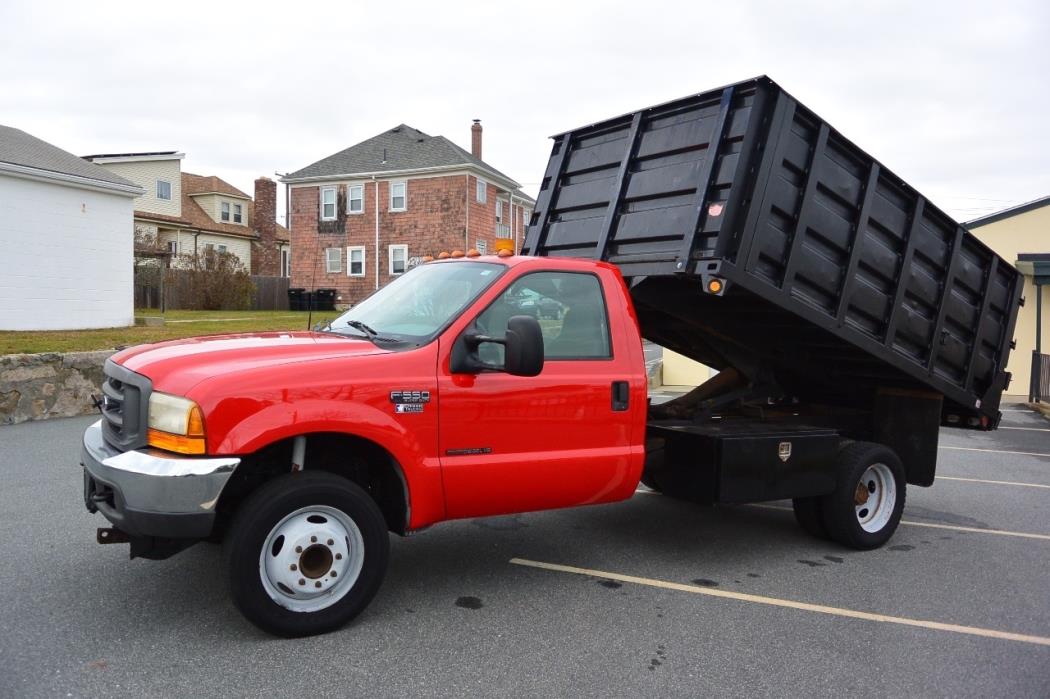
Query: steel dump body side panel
[[838, 270]]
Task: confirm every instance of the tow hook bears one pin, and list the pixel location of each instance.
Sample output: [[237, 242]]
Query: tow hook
[[111, 535]]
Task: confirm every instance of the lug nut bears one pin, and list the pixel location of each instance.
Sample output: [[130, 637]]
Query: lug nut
[[334, 573], [301, 581], [293, 567], [338, 556], [330, 542], [298, 549], [317, 584]]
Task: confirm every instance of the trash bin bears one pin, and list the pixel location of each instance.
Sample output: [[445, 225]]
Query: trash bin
[[325, 300], [309, 302], [295, 300]]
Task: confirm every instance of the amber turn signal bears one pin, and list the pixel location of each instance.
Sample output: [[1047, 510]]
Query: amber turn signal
[[175, 442], [714, 286]]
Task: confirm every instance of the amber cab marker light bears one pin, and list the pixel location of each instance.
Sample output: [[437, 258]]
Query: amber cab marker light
[[714, 286], [457, 253]]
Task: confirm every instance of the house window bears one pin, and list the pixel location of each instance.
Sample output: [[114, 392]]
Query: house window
[[398, 258], [355, 197], [173, 247], [328, 204], [220, 248], [225, 211], [398, 198], [163, 190], [286, 262], [481, 246], [524, 218], [482, 191], [237, 213], [355, 261], [333, 260], [499, 211]]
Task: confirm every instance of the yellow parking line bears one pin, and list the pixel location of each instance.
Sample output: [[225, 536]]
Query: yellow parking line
[[954, 527], [994, 451], [790, 604], [981, 480]]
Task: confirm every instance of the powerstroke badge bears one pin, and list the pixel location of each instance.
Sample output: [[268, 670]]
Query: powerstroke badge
[[408, 407], [410, 397]]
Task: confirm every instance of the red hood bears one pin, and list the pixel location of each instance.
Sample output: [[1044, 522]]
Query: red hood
[[178, 365]]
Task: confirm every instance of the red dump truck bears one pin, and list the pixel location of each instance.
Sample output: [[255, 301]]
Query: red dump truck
[[848, 316]]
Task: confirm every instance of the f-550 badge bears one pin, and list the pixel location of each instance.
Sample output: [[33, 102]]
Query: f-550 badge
[[410, 396]]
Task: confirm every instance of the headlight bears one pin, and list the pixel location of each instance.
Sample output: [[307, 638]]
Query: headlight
[[175, 424]]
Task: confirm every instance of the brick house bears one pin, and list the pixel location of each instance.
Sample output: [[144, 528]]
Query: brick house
[[187, 213], [359, 218]]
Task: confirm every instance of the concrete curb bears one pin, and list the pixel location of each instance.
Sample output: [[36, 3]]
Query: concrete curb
[[52, 384]]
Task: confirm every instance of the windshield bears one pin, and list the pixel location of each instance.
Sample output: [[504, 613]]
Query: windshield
[[413, 308]]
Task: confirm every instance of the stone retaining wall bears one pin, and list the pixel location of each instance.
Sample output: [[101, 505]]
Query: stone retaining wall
[[41, 386]]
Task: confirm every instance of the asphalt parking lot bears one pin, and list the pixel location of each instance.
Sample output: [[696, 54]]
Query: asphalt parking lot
[[647, 597]]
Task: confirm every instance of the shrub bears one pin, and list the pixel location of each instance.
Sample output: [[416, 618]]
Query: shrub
[[211, 281]]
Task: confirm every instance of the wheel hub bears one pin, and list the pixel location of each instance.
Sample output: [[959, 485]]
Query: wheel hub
[[316, 561], [875, 497]]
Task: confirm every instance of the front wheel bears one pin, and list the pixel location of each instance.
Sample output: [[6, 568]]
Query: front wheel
[[866, 506], [306, 553]]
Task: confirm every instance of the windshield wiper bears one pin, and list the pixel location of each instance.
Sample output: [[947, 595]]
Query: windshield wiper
[[372, 334]]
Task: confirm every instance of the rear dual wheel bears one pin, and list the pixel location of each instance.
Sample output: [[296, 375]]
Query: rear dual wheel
[[866, 506]]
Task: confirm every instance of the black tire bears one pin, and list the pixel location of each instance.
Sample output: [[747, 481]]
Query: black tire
[[268, 506], [809, 516], [839, 509]]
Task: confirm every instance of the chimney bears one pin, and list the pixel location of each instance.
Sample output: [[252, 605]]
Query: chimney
[[266, 259], [475, 139]]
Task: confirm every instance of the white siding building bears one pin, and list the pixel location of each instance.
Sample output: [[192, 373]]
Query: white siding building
[[65, 239]]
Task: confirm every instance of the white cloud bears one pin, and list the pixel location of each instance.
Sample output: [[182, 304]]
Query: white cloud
[[951, 95]]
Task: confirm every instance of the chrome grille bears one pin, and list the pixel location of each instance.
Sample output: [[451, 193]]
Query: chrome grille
[[125, 404]]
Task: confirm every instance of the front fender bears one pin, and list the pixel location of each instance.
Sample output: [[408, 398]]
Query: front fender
[[413, 447]]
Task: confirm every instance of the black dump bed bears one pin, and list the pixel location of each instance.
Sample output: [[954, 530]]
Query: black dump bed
[[836, 276]]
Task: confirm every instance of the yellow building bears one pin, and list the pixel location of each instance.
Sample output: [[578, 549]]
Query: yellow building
[[1021, 235]]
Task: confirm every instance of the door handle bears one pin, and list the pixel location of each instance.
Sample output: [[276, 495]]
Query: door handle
[[621, 396]]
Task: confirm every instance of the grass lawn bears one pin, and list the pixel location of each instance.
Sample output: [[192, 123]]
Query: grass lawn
[[177, 324]]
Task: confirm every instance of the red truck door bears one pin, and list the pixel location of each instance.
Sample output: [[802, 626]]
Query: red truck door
[[563, 438]]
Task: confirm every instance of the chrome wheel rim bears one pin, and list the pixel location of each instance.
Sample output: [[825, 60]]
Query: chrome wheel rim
[[311, 558], [875, 497]]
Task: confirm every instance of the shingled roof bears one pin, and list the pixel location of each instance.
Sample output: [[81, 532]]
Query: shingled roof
[[19, 148], [402, 148]]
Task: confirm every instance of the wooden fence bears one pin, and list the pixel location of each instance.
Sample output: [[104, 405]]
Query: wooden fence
[[270, 294]]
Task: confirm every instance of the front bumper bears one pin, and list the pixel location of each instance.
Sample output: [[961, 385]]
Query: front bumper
[[147, 492]]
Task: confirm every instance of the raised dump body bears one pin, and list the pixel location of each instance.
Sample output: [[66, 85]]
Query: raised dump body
[[754, 235]]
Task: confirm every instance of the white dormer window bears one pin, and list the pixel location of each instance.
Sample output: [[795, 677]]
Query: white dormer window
[[398, 196], [164, 190], [328, 203], [225, 215], [482, 191], [355, 199], [237, 213]]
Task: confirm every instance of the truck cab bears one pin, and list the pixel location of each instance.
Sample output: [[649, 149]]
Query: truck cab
[[436, 398]]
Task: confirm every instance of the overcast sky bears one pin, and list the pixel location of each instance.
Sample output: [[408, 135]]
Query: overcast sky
[[953, 96]]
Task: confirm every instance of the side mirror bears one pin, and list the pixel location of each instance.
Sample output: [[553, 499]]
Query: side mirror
[[523, 349]]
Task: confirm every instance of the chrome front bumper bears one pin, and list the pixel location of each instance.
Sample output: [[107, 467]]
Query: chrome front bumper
[[147, 492]]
